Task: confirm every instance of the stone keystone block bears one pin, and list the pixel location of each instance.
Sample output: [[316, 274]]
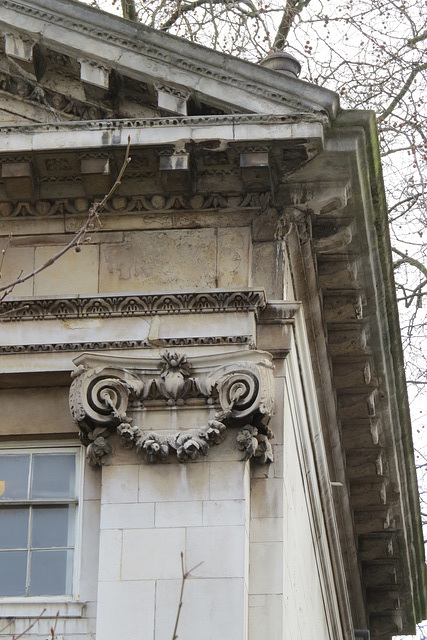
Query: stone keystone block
[[175, 162], [175, 171]]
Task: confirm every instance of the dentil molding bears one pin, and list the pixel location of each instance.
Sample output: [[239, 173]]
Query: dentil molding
[[238, 386]]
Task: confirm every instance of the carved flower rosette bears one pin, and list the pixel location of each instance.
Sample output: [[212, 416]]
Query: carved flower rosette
[[236, 387]]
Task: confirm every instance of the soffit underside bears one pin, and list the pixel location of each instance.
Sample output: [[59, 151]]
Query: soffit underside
[[201, 173], [52, 87], [342, 252]]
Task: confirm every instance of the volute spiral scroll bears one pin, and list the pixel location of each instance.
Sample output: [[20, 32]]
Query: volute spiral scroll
[[107, 397], [245, 393], [236, 387], [100, 397], [238, 393]]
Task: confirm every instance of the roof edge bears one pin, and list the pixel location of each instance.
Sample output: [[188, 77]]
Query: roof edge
[[133, 36], [366, 120]]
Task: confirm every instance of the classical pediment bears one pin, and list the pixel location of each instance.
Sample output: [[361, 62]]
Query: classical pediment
[[76, 64]]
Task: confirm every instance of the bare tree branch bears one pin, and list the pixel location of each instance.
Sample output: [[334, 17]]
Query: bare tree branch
[[29, 626], [403, 91], [413, 41], [191, 6], [185, 574], [413, 261], [292, 9], [129, 10]]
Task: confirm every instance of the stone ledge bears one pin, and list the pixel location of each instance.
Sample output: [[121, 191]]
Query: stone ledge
[[133, 305], [146, 132], [24, 608]]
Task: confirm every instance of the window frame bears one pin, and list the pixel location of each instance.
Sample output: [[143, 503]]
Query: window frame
[[13, 448]]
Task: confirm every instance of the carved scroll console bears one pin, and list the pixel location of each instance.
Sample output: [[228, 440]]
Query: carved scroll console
[[237, 387]]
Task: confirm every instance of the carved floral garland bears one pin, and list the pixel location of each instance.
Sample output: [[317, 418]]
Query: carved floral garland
[[99, 399]]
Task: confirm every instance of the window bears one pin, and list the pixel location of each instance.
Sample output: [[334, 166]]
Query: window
[[38, 504]]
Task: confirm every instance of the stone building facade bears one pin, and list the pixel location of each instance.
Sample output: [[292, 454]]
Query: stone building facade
[[216, 371]]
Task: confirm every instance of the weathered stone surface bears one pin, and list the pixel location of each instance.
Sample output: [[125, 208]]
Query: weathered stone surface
[[18, 260], [380, 545], [350, 341], [376, 575], [66, 276], [361, 433], [356, 405], [233, 257], [383, 599], [373, 521], [369, 494], [267, 261], [28, 412], [361, 463], [93, 73], [352, 375], [148, 262], [343, 306], [384, 626], [18, 180], [337, 274]]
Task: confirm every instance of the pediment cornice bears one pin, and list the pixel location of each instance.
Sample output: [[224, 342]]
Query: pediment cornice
[[73, 28]]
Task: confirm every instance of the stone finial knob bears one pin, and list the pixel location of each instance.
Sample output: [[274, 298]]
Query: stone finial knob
[[283, 62]]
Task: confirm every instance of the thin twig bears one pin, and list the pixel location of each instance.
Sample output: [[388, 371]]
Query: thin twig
[[30, 626], [94, 212], [7, 625], [3, 254], [53, 629], [185, 575]]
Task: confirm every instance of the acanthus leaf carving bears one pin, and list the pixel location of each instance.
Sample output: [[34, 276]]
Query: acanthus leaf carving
[[239, 390], [175, 382]]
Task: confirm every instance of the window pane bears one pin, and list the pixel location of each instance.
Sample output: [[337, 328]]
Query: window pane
[[51, 573], [14, 477], [53, 526], [13, 573], [14, 527], [53, 476]]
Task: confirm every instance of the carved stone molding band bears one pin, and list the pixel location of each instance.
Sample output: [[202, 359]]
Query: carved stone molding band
[[237, 387], [175, 121], [104, 345], [120, 205], [108, 306]]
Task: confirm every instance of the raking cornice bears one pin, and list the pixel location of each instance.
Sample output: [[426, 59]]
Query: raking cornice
[[124, 44]]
